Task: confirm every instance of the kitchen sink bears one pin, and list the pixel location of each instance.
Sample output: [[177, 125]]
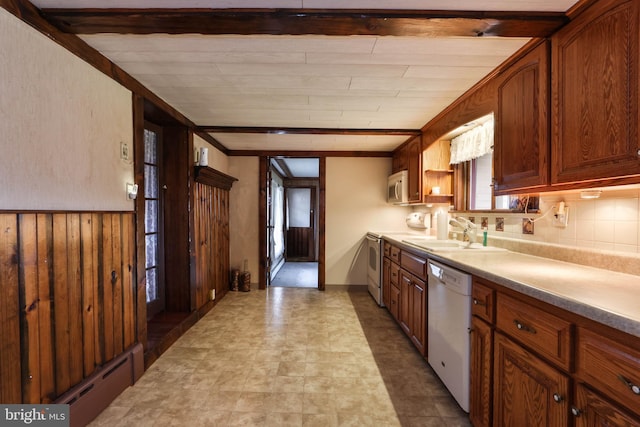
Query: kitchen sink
[[450, 245]]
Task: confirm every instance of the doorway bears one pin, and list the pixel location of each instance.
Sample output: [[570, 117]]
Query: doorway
[[293, 216]]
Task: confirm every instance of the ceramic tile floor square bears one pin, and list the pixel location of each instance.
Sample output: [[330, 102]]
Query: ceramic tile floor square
[[289, 357]]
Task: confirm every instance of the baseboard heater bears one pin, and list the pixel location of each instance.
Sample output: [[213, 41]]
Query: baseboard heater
[[89, 398]]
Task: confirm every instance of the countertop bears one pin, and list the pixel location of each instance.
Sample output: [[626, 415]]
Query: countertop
[[605, 296]]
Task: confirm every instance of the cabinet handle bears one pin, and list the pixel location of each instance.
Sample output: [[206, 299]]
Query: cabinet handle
[[478, 302], [521, 326], [557, 398], [575, 411], [635, 389]]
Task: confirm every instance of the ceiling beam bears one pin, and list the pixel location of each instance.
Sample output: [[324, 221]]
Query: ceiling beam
[[310, 131], [332, 22]]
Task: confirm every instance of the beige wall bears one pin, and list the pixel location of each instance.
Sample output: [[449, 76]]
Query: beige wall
[[217, 159], [62, 124], [356, 203], [243, 223]]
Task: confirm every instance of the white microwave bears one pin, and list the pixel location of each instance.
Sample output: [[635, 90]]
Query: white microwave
[[398, 188]]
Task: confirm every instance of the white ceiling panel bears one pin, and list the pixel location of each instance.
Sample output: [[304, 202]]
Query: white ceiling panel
[[309, 81]]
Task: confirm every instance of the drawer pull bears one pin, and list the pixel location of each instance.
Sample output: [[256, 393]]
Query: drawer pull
[[478, 302], [521, 326], [635, 389], [575, 411], [557, 398]]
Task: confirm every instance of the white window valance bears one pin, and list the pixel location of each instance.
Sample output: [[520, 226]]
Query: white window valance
[[472, 144]]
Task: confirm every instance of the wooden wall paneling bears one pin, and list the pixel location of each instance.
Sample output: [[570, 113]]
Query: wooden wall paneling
[[128, 280], [46, 332], [106, 306], [89, 282], [9, 312], [28, 287], [60, 304], [74, 295], [98, 294], [199, 201], [117, 272]]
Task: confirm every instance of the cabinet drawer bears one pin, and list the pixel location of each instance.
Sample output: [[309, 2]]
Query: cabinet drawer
[[414, 264], [548, 335], [610, 367], [386, 248], [395, 274], [483, 301], [394, 253]]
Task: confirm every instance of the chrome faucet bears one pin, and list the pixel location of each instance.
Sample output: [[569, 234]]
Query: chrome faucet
[[469, 229]]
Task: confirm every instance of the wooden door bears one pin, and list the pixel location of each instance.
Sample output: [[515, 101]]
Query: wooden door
[[595, 84], [521, 149], [527, 391], [591, 410], [419, 315], [481, 373], [300, 243], [414, 167], [386, 282], [405, 301]]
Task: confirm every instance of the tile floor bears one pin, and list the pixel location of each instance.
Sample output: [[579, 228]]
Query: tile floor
[[289, 357]]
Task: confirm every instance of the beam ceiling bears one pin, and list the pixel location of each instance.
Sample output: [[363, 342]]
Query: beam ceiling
[[307, 22]]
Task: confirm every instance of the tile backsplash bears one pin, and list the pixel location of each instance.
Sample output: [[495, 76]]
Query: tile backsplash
[[611, 222]]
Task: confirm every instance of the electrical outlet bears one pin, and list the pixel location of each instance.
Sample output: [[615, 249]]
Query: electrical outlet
[[561, 219], [124, 151]]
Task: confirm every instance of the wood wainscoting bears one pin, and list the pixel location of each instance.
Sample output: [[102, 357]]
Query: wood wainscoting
[[67, 306], [211, 234]]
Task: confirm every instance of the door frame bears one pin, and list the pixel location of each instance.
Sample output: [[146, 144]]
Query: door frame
[[263, 171]]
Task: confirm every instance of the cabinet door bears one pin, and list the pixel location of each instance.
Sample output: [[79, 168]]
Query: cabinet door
[[418, 314], [595, 84], [592, 410], [394, 302], [405, 301], [521, 147], [414, 166], [481, 373], [527, 391], [399, 161], [386, 281]]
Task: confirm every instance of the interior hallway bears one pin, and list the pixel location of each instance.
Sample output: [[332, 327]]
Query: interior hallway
[[297, 275], [289, 357]]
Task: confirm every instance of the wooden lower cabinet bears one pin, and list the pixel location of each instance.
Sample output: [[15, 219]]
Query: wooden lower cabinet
[[413, 309], [591, 410], [394, 302], [527, 391], [419, 315], [386, 282], [481, 366], [405, 301]]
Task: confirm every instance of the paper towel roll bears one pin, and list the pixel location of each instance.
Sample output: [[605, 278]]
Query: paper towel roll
[[443, 226]]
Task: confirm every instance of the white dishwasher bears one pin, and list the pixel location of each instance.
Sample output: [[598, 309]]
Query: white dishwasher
[[449, 323]]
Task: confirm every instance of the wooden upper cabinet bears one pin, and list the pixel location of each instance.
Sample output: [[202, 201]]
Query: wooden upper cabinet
[[414, 166], [399, 162], [595, 83], [521, 146]]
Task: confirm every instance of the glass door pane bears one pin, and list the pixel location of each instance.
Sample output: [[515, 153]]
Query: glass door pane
[[153, 222]]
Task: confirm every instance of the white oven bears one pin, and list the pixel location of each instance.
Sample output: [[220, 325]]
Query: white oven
[[374, 266]]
